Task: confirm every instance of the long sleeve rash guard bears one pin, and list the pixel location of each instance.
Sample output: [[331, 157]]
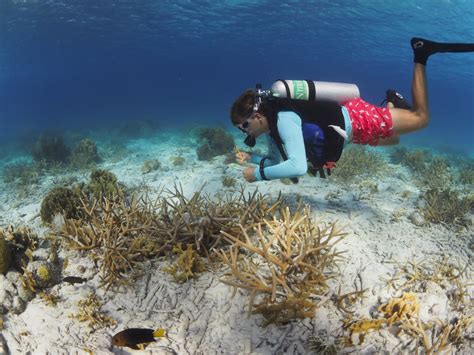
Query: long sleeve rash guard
[[289, 128]]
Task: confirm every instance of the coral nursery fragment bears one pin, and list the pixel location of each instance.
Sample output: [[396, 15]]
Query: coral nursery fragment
[[283, 263], [187, 265], [122, 232], [90, 312]]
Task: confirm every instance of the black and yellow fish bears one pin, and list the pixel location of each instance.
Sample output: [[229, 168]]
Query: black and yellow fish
[[74, 280], [133, 337]]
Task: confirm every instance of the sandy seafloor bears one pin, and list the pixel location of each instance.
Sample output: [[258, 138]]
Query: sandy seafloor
[[200, 316]]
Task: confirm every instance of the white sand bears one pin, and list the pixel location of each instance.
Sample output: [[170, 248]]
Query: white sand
[[200, 317]]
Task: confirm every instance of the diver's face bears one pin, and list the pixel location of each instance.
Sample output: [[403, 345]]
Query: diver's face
[[255, 125], [244, 126]]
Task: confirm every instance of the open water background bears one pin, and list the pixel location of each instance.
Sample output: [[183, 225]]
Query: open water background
[[76, 64]]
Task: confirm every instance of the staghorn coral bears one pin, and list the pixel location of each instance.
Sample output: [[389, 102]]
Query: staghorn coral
[[395, 310], [442, 271], [438, 337], [200, 220], [187, 265], [289, 260], [286, 310], [120, 234], [321, 346], [403, 312], [344, 302], [49, 298], [90, 312]]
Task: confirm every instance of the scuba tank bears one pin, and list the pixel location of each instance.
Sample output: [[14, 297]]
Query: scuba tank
[[314, 90], [304, 90]]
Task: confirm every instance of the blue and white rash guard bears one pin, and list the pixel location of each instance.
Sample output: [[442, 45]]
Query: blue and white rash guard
[[291, 134]]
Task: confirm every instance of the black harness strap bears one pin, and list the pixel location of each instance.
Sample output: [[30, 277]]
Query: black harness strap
[[279, 144], [261, 168], [311, 90], [287, 88]]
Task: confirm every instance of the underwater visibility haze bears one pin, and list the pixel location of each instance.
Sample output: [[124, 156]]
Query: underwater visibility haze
[[128, 218], [86, 64]]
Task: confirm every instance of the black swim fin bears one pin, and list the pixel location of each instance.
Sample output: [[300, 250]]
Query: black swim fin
[[423, 48], [396, 99]]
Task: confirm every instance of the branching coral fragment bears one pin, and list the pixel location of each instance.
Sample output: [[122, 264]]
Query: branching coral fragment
[[90, 312], [442, 271], [121, 232], [396, 309], [404, 312], [187, 265], [442, 337], [288, 263]]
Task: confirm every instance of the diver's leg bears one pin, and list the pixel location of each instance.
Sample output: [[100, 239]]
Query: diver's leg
[[405, 121]]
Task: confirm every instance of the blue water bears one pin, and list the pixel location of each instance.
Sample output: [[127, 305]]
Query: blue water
[[78, 64]]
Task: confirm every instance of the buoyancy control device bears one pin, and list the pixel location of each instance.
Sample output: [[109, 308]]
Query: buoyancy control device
[[323, 145]]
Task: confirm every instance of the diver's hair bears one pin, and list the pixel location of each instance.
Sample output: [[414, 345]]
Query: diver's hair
[[242, 107]]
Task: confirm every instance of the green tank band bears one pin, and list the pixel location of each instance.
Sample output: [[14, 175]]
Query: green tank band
[[300, 90]]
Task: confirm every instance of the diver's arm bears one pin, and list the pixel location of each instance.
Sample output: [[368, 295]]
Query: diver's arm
[[273, 156], [289, 127]]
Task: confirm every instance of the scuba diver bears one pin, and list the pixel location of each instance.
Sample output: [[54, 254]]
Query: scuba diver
[[313, 124]]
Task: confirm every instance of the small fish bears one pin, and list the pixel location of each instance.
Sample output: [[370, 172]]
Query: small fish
[[74, 280], [132, 337]]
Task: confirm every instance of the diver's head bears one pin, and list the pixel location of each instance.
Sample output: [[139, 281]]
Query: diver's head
[[249, 116]]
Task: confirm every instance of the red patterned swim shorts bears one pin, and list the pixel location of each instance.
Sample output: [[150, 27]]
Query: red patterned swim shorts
[[369, 123]]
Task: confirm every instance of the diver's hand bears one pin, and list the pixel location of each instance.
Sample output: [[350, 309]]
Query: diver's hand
[[249, 174], [242, 157]]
